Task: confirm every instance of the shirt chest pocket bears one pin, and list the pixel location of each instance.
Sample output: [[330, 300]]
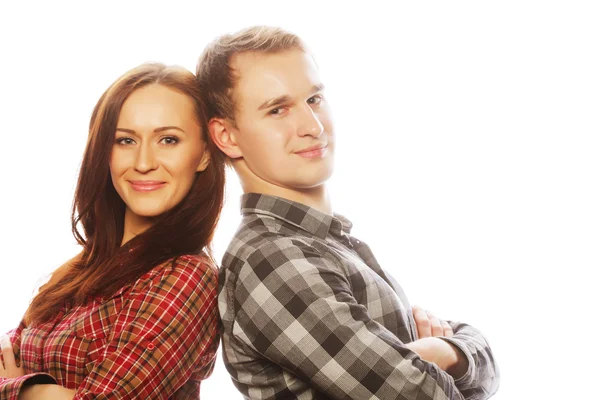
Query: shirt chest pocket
[[96, 320], [85, 342], [92, 329]]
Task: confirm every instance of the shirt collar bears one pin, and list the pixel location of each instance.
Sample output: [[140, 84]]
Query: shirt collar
[[300, 215]]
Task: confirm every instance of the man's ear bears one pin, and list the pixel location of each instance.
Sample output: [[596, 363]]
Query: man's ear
[[223, 135]]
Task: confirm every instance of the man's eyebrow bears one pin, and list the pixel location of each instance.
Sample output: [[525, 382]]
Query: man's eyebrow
[[318, 88], [277, 101], [157, 130]]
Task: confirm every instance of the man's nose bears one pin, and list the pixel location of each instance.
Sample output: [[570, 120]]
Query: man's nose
[[310, 125]]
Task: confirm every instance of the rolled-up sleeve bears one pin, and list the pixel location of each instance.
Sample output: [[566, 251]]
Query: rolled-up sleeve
[[483, 376]]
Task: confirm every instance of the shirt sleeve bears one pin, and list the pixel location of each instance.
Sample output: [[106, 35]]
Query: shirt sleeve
[[11, 387], [482, 378], [166, 333], [296, 307]]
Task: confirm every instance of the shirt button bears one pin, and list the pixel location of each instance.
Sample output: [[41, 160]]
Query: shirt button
[[150, 346]]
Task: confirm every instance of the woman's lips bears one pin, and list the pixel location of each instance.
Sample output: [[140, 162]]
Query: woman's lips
[[146, 186]]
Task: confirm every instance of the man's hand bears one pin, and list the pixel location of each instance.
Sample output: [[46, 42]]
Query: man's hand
[[429, 325], [9, 368], [442, 354], [434, 350]]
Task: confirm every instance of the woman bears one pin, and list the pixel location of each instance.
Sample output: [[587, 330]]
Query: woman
[[134, 314]]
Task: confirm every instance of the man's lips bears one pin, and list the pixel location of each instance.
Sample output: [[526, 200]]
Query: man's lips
[[313, 151]]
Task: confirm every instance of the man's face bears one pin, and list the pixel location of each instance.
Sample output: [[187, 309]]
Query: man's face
[[283, 123]]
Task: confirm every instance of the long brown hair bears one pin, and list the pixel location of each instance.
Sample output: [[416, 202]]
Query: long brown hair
[[104, 266]]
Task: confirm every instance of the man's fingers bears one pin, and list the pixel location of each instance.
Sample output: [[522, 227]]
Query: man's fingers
[[422, 322], [429, 325], [448, 332], [436, 325]]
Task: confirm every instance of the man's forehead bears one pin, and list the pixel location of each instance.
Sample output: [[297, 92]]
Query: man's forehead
[[260, 76], [248, 59]]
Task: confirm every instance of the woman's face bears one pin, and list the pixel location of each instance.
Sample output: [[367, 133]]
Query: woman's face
[[157, 150]]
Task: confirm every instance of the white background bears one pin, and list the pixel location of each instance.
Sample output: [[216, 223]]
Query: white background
[[468, 153]]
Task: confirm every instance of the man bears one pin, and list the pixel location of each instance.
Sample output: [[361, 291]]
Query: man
[[307, 311]]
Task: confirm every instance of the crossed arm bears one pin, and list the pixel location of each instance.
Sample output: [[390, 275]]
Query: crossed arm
[[9, 369], [160, 336], [297, 309]]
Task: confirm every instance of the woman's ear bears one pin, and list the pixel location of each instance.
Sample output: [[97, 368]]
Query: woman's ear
[[204, 161]]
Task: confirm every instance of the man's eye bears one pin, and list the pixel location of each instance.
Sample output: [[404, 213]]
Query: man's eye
[[315, 99], [276, 111]]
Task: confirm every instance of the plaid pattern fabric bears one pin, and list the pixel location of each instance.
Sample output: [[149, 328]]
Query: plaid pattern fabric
[[308, 313], [155, 339]]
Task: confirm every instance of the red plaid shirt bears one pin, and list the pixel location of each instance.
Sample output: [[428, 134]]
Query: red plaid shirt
[[155, 339]]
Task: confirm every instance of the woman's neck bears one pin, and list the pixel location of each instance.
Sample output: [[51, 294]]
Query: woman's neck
[[134, 225]]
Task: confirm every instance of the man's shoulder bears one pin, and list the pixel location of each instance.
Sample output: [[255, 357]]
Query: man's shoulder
[[265, 235]]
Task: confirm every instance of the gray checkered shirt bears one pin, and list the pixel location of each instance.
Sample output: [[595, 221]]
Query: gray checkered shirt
[[308, 313]]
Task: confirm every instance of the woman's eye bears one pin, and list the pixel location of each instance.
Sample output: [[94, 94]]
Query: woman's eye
[[125, 140], [276, 111], [169, 140]]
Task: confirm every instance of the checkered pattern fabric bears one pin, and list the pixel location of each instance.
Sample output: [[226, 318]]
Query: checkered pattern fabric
[[308, 313], [155, 339]]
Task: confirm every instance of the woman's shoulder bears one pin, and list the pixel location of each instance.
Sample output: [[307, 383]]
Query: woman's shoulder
[[197, 261], [186, 276], [189, 267]]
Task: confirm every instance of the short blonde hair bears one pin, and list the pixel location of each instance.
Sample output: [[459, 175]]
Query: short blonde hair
[[215, 74]]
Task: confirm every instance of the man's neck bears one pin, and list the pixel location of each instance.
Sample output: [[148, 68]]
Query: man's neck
[[316, 197]]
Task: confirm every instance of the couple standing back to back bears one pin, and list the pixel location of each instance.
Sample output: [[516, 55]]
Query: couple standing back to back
[[306, 310]]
